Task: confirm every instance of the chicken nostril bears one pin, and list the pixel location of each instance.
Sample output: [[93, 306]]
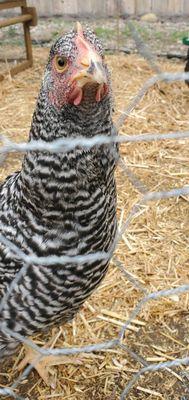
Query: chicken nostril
[[91, 68], [85, 62]]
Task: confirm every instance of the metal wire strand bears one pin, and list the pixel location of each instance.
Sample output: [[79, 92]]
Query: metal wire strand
[[145, 196]]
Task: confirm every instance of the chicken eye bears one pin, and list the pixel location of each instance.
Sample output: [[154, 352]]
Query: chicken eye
[[60, 63]]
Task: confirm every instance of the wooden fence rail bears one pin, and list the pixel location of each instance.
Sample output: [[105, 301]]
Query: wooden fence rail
[[104, 8]]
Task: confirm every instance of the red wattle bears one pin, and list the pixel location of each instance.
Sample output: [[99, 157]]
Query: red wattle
[[101, 91], [98, 94], [76, 96]]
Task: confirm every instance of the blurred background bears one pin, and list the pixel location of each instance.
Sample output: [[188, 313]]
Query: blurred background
[[162, 23]]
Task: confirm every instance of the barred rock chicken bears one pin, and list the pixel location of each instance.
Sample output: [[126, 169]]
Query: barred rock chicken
[[60, 203]]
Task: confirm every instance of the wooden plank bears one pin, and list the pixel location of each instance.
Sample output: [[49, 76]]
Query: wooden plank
[[111, 8], [28, 44], [71, 8], [15, 20], [177, 7], [20, 67], [170, 7], [159, 7], [12, 4], [47, 8], [128, 7], [28, 17], [59, 7], [27, 37], [99, 8], [16, 69], [186, 7], [85, 7], [32, 11], [143, 6]]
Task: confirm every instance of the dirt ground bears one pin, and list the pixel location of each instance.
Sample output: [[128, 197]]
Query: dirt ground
[[154, 249]]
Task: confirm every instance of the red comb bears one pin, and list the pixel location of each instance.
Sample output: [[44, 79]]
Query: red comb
[[79, 29]]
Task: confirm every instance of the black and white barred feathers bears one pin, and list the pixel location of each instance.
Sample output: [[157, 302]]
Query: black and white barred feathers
[[60, 203]]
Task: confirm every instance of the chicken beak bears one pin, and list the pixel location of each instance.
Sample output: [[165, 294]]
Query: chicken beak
[[88, 69], [89, 63], [92, 73]]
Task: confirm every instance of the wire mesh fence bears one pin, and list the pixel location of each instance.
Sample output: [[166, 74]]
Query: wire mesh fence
[[146, 195]]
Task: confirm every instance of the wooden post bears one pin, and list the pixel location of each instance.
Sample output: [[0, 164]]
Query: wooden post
[[28, 18], [27, 37]]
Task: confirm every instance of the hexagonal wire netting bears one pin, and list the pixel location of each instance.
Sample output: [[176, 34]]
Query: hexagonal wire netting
[[64, 145]]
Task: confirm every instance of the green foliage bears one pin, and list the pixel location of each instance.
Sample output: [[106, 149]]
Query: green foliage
[[126, 31], [143, 31], [159, 35], [178, 35], [105, 33], [12, 31]]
